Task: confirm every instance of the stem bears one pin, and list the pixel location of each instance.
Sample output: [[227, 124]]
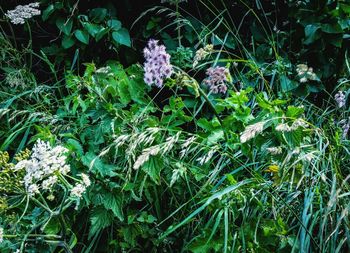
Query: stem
[[214, 110], [30, 45], [177, 23]]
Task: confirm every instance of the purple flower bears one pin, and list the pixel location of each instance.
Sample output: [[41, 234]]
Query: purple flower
[[216, 80], [157, 66], [340, 98]]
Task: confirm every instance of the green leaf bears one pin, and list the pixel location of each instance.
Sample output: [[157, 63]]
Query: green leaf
[[312, 33], [47, 12], [96, 165], [153, 168], [82, 36], [331, 28], [287, 84], [67, 42], [100, 219], [74, 146], [98, 14], [294, 112], [64, 26], [102, 32], [114, 202], [215, 137], [114, 24], [92, 29], [122, 37]]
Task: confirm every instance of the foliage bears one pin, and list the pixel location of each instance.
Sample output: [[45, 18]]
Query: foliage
[[243, 147]]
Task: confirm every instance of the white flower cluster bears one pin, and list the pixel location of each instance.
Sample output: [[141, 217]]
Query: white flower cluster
[[78, 190], [305, 73], [43, 166], [23, 12]]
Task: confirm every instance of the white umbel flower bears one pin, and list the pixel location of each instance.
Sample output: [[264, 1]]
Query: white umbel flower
[[86, 180], [78, 190], [43, 165], [251, 131], [23, 12]]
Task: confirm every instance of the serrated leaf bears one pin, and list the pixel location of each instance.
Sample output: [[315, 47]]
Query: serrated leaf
[[82, 36], [122, 37], [112, 201], [100, 219], [153, 168], [75, 146], [96, 165]]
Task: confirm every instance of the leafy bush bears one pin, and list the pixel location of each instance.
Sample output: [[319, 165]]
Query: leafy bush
[[231, 137]]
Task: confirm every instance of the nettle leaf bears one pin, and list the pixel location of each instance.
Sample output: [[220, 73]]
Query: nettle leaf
[[122, 37], [153, 168], [64, 25], [100, 218], [96, 165], [75, 146], [82, 36], [114, 202], [294, 112]]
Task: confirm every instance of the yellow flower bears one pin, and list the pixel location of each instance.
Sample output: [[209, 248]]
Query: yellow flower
[[272, 168]]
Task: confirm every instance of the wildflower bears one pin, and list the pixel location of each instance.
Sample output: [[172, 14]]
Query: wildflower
[[340, 99], [42, 165], [1, 234], [305, 73], [78, 190], [251, 131], [23, 12], [48, 183], [157, 66], [275, 150], [217, 77], [32, 189], [272, 168], [86, 180], [202, 53]]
